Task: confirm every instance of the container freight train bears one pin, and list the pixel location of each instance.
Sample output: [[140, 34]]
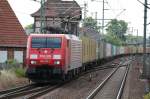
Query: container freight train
[[63, 56]]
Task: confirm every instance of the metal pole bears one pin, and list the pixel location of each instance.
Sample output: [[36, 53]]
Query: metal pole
[[99, 36], [85, 10], [96, 20], [41, 12], [42, 16], [137, 41], [145, 68], [96, 17], [103, 17]]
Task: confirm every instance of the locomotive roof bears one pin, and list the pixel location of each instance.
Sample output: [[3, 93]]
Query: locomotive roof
[[67, 36]]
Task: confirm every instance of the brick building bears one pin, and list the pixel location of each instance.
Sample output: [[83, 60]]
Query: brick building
[[58, 13], [12, 35]]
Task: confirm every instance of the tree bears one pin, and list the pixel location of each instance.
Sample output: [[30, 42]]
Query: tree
[[133, 39], [29, 26], [117, 28], [90, 22], [113, 39], [29, 29]]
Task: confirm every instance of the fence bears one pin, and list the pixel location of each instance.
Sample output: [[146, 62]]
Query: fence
[[9, 66]]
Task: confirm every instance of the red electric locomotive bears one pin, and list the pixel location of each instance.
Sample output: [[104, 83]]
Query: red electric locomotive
[[52, 56]]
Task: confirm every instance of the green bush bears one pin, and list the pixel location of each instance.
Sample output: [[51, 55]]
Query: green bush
[[147, 96], [15, 67], [11, 61], [20, 72]]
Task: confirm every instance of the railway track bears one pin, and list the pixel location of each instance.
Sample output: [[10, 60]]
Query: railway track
[[20, 88], [107, 66], [33, 90], [27, 92], [112, 86]]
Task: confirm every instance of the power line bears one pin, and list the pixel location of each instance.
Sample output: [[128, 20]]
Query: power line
[[146, 5], [110, 6], [120, 13]]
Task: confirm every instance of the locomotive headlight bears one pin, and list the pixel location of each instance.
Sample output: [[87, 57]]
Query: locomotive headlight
[[57, 62], [56, 56], [33, 62], [33, 56]]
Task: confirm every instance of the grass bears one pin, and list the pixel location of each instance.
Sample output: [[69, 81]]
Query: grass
[[7, 78], [12, 75], [12, 78], [19, 72], [147, 96], [16, 68]]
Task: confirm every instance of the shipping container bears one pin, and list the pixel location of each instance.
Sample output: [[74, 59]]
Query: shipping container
[[108, 50], [113, 50], [104, 49], [88, 50], [121, 50]]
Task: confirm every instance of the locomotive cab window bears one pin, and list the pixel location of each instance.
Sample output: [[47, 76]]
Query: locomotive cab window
[[38, 42], [47, 42], [53, 42]]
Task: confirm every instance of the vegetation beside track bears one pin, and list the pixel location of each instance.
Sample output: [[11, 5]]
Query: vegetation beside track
[[16, 68], [147, 96], [12, 74]]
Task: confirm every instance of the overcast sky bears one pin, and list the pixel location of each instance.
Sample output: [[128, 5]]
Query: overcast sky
[[133, 13]]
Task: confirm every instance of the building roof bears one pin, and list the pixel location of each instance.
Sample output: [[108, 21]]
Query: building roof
[[58, 8], [12, 33]]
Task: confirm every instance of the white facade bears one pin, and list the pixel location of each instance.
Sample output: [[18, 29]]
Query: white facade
[[3, 56], [18, 55]]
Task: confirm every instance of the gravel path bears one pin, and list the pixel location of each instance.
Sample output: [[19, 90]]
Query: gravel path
[[15, 83], [80, 88]]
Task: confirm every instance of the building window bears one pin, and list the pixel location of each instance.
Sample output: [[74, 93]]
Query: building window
[[18, 55], [37, 30], [3, 56]]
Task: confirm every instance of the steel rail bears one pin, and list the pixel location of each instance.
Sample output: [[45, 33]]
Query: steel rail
[[23, 92], [42, 92], [96, 90], [15, 89], [91, 96], [120, 92]]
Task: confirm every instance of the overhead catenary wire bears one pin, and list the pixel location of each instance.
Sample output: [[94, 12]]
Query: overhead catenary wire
[[42, 13], [68, 18], [110, 6], [69, 8], [120, 13], [143, 4]]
